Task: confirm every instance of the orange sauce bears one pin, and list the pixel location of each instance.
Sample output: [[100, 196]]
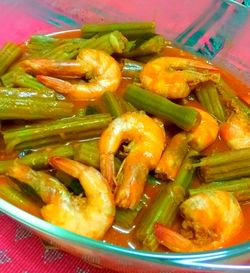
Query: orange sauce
[[126, 238]]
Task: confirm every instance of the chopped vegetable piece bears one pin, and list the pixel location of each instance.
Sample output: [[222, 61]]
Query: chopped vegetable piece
[[166, 204], [39, 159], [230, 98], [8, 55], [207, 95], [71, 125], [18, 78], [125, 218], [240, 188], [33, 109], [16, 93], [147, 44], [184, 117], [112, 104], [225, 165], [131, 68], [131, 30]]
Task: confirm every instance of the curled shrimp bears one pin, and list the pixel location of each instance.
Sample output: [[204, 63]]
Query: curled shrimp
[[236, 131], [199, 139], [205, 133], [174, 77], [147, 138], [90, 216], [101, 70], [212, 219], [172, 157]]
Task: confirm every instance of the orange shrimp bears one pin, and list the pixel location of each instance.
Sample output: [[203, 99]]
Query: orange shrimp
[[174, 77], [172, 157], [236, 131], [148, 141], [199, 139], [212, 219], [100, 69], [90, 216], [205, 133]]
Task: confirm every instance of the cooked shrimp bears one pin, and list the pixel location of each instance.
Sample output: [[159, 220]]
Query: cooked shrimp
[[245, 97], [236, 131], [199, 139], [172, 157], [91, 216], [56, 68], [212, 219], [205, 133], [148, 141], [174, 77], [100, 69]]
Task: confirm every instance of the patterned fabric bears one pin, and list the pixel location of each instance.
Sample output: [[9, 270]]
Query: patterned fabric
[[23, 252]]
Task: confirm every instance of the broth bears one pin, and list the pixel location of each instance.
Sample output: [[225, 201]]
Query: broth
[[126, 238]]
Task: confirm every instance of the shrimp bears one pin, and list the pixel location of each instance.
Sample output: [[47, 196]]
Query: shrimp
[[245, 97], [212, 219], [236, 131], [174, 77], [148, 141], [172, 157], [100, 69], [199, 139], [205, 133], [90, 216]]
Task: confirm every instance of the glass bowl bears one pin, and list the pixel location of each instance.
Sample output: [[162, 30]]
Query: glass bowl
[[217, 30]]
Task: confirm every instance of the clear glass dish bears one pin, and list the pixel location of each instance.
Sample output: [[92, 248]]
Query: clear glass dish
[[218, 30]]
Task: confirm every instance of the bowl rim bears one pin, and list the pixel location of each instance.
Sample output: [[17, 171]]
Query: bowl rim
[[203, 260]]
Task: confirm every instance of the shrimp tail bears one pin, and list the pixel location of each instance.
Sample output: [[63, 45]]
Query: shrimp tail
[[130, 191], [53, 68], [94, 184], [41, 182], [71, 167], [245, 97], [58, 85], [107, 165], [201, 65], [32, 66], [171, 239]]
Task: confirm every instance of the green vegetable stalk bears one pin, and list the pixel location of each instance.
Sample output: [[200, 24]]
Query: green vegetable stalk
[[131, 30], [226, 165], [77, 124], [166, 204], [8, 55], [184, 117]]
